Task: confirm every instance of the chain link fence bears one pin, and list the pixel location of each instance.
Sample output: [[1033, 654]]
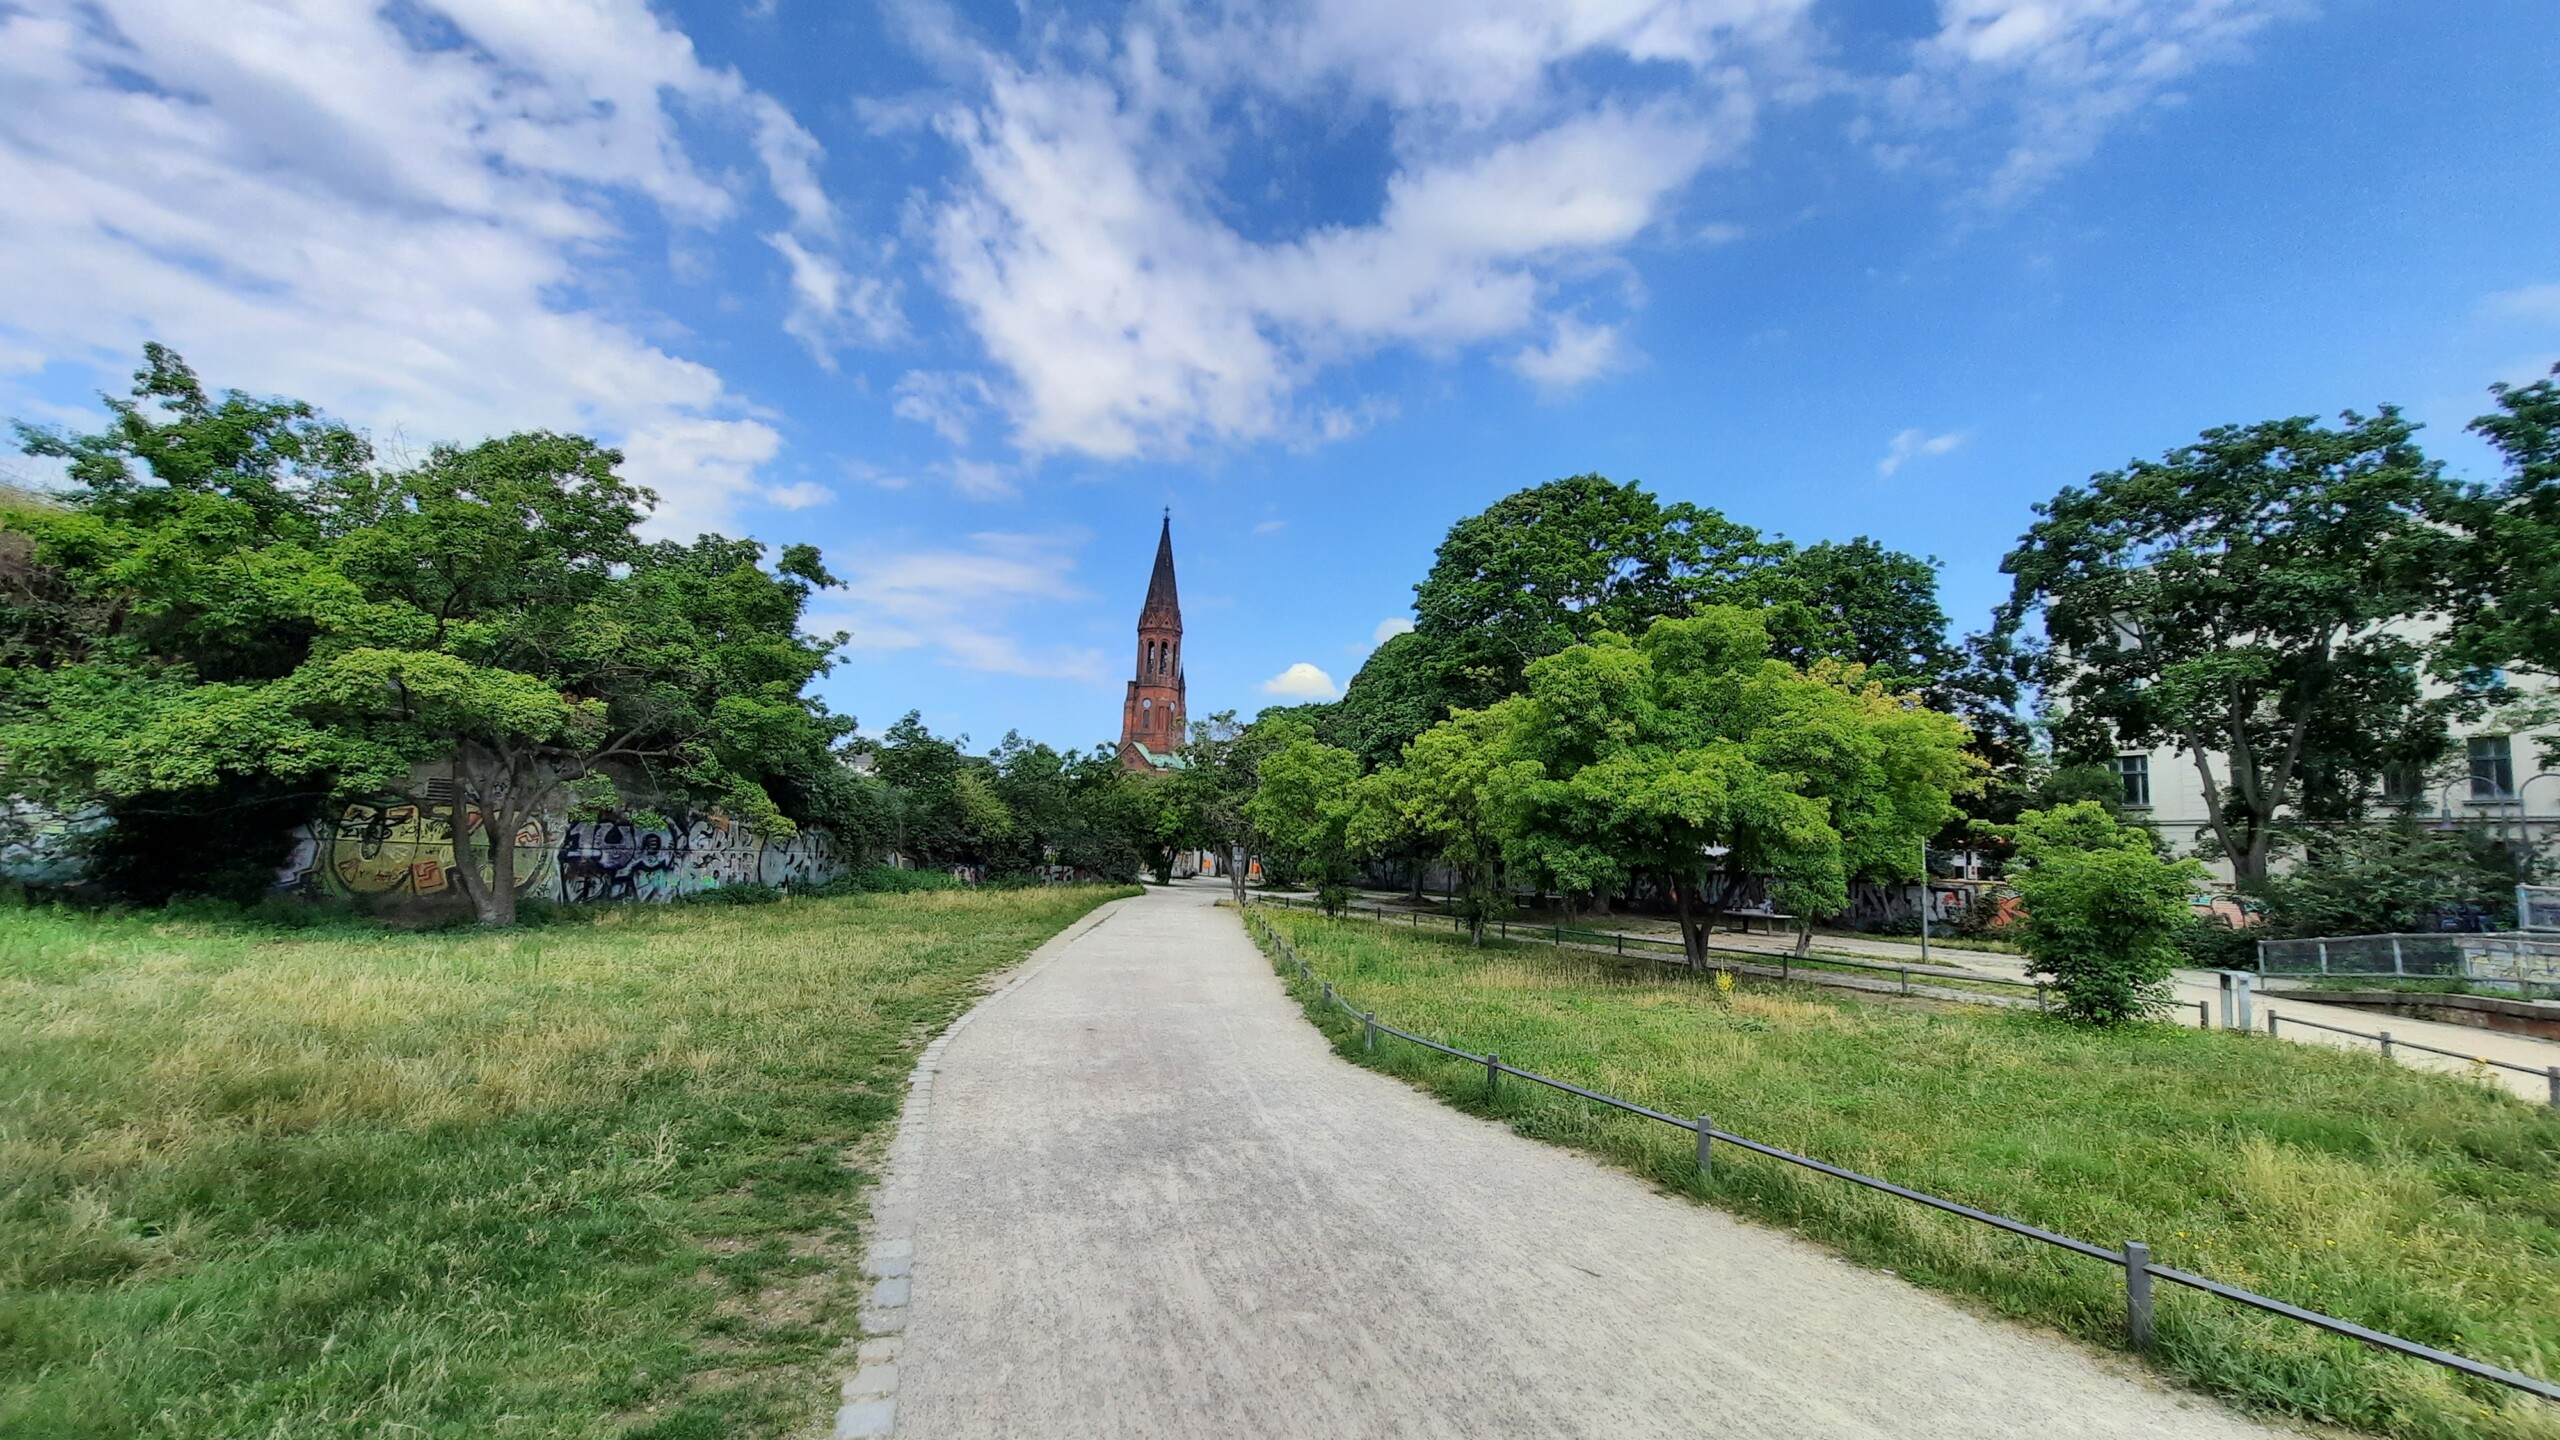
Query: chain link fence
[[2529, 960], [2538, 907]]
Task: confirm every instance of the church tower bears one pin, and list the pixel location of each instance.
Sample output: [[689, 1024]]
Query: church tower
[[1151, 719]]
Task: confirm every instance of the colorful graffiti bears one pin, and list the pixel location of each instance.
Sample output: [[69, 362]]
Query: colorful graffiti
[[401, 847]]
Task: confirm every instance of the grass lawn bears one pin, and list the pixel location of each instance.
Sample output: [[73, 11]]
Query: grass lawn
[[588, 1180], [2422, 1205]]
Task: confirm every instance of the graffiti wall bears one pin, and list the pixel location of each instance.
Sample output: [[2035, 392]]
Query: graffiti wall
[[399, 849]]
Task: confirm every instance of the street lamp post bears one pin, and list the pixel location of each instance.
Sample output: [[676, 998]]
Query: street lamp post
[[1924, 902]]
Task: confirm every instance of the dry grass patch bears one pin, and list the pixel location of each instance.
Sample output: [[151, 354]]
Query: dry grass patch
[[597, 1179]]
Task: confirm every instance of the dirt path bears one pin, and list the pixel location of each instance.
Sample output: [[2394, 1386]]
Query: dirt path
[[1146, 1201]]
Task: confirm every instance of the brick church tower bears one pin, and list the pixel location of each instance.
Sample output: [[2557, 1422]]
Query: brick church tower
[[1151, 719]]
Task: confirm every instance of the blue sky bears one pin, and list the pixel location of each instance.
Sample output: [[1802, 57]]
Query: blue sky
[[967, 294]]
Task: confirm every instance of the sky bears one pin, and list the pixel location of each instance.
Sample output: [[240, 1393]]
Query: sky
[[971, 295]]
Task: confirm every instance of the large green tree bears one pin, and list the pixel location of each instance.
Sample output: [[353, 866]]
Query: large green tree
[[1692, 756], [2243, 600], [266, 607], [2507, 607]]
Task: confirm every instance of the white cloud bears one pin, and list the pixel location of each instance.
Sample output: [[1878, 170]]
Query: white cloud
[[954, 601], [2068, 71], [1131, 319], [384, 210], [948, 401], [2526, 302], [1270, 527], [1302, 681], [1574, 352], [979, 479], [1390, 628], [1916, 445], [799, 496], [830, 305]]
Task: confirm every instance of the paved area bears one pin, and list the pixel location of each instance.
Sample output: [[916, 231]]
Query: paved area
[[1145, 1201]]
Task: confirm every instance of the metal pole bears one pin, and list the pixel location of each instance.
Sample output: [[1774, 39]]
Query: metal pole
[[2271, 1024], [1706, 1148], [2385, 1038], [1369, 1025], [2398, 966], [1924, 910], [2137, 1293], [2554, 1073], [2204, 1015], [1492, 1075]]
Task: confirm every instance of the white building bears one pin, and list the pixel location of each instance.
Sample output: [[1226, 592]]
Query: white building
[[2492, 780]]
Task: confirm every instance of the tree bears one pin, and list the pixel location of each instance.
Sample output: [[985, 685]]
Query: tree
[[1876, 607], [1693, 756], [1213, 790], [2507, 608], [1458, 791], [2103, 909], [279, 613], [2236, 599], [1304, 799]]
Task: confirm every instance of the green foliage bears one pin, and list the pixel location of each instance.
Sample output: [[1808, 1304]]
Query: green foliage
[[2104, 910], [1557, 564], [2394, 878], [240, 602], [1304, 799], [2508, 595], [2234, 599]]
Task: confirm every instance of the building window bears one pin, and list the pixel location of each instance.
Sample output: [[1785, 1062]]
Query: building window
[[2402, 783], [2493, 768], [2133, 772]]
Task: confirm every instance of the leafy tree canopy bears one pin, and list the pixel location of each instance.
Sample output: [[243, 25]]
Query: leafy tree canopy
[[2508, 610], [265, 607], [2236, 599]]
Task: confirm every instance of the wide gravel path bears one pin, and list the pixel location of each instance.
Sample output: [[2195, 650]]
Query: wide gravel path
[[1147, 1201]]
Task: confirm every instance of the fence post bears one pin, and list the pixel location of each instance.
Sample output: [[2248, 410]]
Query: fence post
[[2324, 955], [2385, 1038], [2137, 1293], [1706, 1148], [1622, 944], [2271, 1024], [2398, 967], [2204, 1015], [1328, 994], [1906, 979], [1369, 1028], [2554, 1073], [1492, 1074]]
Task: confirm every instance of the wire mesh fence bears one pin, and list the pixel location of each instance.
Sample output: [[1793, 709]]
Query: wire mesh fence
[[2538, 907], [2516, 958]]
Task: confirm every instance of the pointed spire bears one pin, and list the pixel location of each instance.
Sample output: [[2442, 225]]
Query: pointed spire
[[1163, 605]]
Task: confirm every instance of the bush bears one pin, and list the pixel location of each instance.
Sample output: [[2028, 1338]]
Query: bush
[[732, 895], [2209, 942], [884, 880], [2104, 910]]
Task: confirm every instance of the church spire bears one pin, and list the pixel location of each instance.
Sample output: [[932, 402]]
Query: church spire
[[1163, 605], [1152, 717]]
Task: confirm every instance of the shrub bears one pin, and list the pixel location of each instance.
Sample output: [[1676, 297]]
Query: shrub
[[2210, 942], [2104, 909]]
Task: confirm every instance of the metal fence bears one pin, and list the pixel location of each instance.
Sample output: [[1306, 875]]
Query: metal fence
[[2383, 1038], [2133, 1257], [2513, 958], [1790, 964], [2538, 907]]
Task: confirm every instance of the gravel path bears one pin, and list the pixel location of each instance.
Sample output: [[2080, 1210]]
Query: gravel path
[[1146, 1201]]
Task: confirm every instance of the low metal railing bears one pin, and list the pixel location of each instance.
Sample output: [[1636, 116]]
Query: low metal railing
[[1672, 951], [2550, 1072], [2133, 1257]]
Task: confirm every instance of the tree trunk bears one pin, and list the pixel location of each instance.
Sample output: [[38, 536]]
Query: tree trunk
[[1693, 943]]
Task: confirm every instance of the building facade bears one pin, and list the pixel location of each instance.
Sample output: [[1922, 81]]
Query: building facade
[[2493, 780], [1152, 716]]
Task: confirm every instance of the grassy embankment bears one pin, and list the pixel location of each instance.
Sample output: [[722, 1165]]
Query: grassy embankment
[[598, 1179], [2418, 1204]]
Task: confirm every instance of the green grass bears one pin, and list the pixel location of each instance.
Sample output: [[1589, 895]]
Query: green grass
[[590, 1180], [2418, 1204]]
